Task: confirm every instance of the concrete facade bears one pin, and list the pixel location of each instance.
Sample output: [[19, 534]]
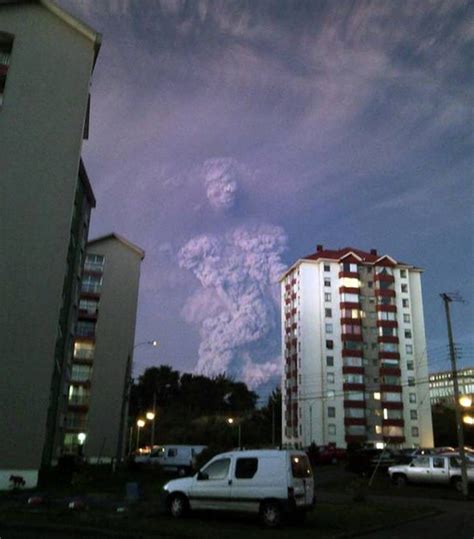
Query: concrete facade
[[45, 87], [103, 348], [354, 351]]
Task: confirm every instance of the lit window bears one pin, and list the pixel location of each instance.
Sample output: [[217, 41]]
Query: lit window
[[412, 397], [331, 394], [350, 282], [377, 396], [409, 349], [378, 429], [6, 43]]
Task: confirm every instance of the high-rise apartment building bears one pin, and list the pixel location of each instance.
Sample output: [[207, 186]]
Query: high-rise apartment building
[[354, 351], [442, 386], [46, 63], [103, 349]]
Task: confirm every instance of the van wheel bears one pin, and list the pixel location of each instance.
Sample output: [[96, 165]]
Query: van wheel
[[271, 514], [178, 505], [457, 484], [400, 480]]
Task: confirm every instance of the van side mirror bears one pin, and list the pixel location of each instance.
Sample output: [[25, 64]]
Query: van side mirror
[[202, 476]]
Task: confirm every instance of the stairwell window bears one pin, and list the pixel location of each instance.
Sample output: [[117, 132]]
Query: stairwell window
[[6, 44]]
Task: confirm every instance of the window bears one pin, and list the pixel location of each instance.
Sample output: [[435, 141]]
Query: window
[[411, 381], [378, 429], [386, 316], [94, 263], [353, 378], [327, 281], [352, 361], [388, 347], [91, 283], [391, 380], [403, 274], [172, 452], [327, 296], [387, 332], [331, 411], [408, 334], [409, 349], [89, 305], [410, 365], [328, 313], [330, 377], [330, 345], [300, 467], [219, 469], [438, 462], [85, 328], [392, 397], [246, 468], [6, 43], [81, 373], [412, 397], [377, 396], [392, 414], [350, 267], [351, 313], [331, 429], [327, 267], [350, 298], [404, 288], [350, 282], [353, 345], [331, 394], [351, 329], [330, 361], [406, 318], [405, 303], [354, 395], [370, 284], [84, 350], [415, 432], [328, 328], [413, 414], [354, 412]]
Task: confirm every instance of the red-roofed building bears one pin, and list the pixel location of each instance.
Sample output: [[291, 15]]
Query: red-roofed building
[[354, 351]]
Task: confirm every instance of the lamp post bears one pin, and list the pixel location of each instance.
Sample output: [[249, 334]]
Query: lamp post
[[125, 397], [140, 424], [231, 421]]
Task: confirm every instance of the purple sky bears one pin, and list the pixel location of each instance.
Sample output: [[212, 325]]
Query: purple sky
[[228, 138]]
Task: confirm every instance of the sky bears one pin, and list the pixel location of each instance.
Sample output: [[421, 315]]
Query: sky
[[229, 138]]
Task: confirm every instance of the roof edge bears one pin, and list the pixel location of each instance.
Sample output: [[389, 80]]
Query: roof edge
[[121, 239], [84, 177]]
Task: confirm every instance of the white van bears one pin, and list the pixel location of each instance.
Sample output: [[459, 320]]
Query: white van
[[269, 482], [178, 458]]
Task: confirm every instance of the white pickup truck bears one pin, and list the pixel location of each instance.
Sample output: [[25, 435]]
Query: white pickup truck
[[441, 469]]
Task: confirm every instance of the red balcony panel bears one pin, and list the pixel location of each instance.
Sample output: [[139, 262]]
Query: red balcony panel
[[293, 342], [353, 370], [352, 353], [85, 315], [93, 272], [82, 361], [295, 407], [390, 388], [354, 404], [293, 326], [349, 305], [351, 337], [389, 355], [293, 312], [293, 281], [393, 423], [78, 407], [349, 290], [385, 293], [388, 339], [354, 421], [392, 405], [351, 438], [287, 316], [287, 287], [384, 277], [293, 296], [351, 321], [386, 308], [387, 324], [394, 439], [353, 387], [287, 301], [390, 371], [350, 274], [294, 357]]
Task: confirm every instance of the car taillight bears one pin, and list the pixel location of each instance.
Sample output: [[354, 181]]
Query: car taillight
[[291, 493]]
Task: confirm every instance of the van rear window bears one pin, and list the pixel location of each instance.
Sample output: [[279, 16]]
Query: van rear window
[[300, 467]]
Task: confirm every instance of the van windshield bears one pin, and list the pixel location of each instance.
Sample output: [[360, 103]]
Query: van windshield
[[300, 467]]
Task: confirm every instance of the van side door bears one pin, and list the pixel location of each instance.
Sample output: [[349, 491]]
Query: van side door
[[439, 470], [246, 491], [211, 486]]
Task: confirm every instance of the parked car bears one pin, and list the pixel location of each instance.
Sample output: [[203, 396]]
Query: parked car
[[179, 458], [326, 454], [272, 483], [443, 469], [366, 460]]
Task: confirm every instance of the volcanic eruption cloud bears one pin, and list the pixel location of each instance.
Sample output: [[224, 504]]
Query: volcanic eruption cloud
[[237, 305]]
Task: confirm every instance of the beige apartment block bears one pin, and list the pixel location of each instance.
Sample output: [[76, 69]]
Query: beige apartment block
[[46, 62], [103, 348]]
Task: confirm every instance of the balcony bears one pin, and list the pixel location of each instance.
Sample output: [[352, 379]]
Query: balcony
[[383, 277], [90, 288], [385, 293]]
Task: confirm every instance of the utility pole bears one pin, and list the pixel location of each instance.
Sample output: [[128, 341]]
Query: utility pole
[[153, 421], [273, 423], [448, 298]]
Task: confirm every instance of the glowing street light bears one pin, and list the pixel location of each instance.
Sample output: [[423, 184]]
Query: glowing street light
[[231, 421], [140, 425], [465, 401], [469, 420], [151, 417]]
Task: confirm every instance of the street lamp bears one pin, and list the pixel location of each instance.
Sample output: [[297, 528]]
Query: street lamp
[[140, 424], [125, 397], [231, 421], [151, 417], [469, 420], [465, 401]]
